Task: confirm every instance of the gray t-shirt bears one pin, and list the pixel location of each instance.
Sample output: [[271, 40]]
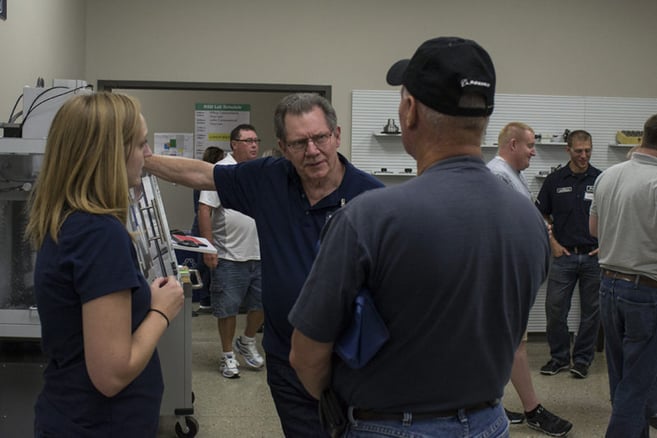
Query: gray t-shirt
[[509, 175], [453, 259], [625, 202]]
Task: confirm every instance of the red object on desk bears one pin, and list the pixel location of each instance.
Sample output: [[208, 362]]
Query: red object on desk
[[188, 239]]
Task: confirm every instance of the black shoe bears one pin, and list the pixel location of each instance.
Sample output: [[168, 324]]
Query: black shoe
[[514, 417], [548, 423], [553, 367], [580, 370]]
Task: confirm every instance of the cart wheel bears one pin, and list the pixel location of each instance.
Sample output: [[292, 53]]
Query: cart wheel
[[192, 426]]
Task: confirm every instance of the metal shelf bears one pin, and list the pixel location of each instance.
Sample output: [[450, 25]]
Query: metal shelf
[[391, 173], [623, 145], [551, 143], [22, 146]]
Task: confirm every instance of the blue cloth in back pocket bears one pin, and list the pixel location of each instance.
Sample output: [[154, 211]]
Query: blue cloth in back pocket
[[365, 335]]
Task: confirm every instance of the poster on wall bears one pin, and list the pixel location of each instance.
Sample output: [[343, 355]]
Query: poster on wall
[[174, 144], [213, 123]]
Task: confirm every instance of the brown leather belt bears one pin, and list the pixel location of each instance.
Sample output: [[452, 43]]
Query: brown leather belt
[[364, 414], [636, 279]]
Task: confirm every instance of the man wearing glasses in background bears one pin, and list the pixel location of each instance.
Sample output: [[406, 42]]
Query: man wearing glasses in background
[[290, 199], [236, 277]]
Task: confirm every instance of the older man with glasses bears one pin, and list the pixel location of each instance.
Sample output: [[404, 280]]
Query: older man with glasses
[[291, 199]]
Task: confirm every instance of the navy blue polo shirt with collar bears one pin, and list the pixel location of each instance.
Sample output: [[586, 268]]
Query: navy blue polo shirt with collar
[[567, 196], [270, 191]]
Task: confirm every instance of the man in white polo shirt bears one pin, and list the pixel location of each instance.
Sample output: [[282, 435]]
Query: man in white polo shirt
[[236, 276]]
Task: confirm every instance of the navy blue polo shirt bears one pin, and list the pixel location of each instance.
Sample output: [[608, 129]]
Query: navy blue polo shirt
[[94, 256], [567, 196], [269, 190]]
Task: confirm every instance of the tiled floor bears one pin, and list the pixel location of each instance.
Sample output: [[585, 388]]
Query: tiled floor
[[243, 407]]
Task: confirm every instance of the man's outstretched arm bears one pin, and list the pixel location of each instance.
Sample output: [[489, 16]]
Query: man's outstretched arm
[[188, 172]]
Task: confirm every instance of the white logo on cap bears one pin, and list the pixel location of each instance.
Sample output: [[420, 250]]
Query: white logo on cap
[[466, 82]]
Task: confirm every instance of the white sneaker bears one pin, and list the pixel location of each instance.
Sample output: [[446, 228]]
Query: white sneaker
[[228, 367], [204, 309], [248, 350]]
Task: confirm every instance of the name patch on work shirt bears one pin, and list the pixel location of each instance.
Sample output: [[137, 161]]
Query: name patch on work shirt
[[588, 196], [564, 189]]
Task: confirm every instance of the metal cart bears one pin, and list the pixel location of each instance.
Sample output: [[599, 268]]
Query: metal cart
[[157, 258]]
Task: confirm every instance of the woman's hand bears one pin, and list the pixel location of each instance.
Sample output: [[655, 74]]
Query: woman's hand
[[167, 296]]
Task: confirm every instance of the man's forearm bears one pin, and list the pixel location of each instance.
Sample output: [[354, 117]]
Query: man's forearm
[[315, 380], [196, 174], [312, 362]]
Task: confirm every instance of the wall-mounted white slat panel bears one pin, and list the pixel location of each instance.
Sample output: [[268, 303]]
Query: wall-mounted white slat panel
[[370, 152]]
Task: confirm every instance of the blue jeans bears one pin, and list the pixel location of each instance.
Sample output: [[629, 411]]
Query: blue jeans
[[629, 318], [486, 423], [565, 271], [235, 283], [297, 409]]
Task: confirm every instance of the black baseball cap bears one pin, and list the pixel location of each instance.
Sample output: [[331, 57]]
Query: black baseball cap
[[444, 69]]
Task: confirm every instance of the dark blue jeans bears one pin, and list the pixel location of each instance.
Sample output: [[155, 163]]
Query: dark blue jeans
[[297, 409], [486, 423], [629, 318], [565, 272]]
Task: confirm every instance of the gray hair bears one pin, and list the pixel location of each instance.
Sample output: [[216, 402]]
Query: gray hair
[[301, 103], [445, 122]]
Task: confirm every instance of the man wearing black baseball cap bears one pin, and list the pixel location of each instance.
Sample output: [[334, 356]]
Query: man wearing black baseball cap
[[449, 279], [442, 71]]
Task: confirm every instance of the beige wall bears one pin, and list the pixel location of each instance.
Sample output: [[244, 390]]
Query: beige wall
[[558, 47], [562, 47], [40, 38]]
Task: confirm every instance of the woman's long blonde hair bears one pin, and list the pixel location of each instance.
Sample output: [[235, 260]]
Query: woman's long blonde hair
[[84, 167]]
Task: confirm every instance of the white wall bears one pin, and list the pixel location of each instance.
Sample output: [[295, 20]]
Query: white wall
[[561, 47], [558, 47], [40, 38]]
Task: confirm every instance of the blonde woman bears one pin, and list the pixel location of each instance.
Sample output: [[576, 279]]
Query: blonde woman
[[100, 320]]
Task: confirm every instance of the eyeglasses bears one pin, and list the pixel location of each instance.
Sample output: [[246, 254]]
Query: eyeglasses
[[249, 140], [319, 140]]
